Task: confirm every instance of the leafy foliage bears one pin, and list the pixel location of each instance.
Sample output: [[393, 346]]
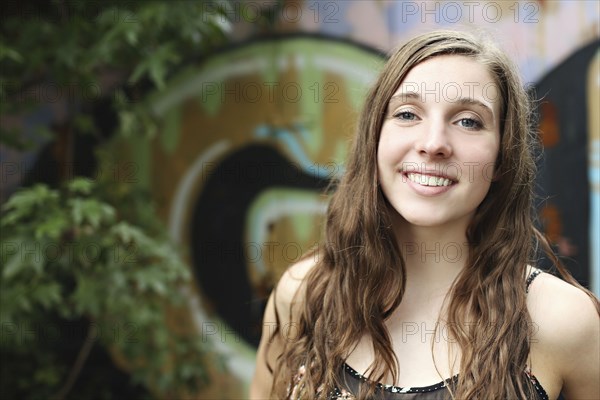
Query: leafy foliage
[[66, 252], [67, 51], [94, 253]]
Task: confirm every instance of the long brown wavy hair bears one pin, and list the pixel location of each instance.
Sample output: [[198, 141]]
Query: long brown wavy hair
[[360, 277]]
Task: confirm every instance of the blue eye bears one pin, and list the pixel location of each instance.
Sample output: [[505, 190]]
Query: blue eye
[[405, 116], [470, 123]]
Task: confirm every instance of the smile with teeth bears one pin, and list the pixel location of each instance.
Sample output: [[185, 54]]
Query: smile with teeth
[[428, 180]]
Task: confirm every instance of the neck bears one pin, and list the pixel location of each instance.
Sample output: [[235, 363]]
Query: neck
[[433, 255]]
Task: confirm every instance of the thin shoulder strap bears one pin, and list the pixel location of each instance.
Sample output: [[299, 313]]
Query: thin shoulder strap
[[531, 277]]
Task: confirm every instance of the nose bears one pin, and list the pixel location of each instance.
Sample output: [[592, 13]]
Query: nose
[[434, 142]]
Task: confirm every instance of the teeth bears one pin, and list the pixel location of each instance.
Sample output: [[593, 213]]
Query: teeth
[[426, 180]]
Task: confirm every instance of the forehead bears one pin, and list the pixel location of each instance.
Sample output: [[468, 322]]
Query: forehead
[[452, 78]]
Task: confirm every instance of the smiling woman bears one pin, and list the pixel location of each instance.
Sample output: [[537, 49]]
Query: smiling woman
[[433, 131], [424, 288]]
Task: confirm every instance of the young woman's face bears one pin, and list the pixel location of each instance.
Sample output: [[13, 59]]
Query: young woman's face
[[439, 141]]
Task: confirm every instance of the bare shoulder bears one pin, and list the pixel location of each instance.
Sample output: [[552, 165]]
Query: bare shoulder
[[279, 311], [566, 335], [561, 311], [288, 294]]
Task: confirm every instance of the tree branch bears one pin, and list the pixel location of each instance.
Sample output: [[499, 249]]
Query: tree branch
[[83, 355]]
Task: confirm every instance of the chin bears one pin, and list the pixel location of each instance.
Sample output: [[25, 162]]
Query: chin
[[425, 221], [429, 218]]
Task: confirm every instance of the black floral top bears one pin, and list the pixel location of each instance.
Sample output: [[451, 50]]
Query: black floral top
[[352, 381]]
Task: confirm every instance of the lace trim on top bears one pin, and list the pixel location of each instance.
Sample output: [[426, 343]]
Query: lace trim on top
[[531, 277], [424, 389], [398, 389]]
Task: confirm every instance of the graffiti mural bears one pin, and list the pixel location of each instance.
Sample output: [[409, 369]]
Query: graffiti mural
[[253, 138], [568, 126]]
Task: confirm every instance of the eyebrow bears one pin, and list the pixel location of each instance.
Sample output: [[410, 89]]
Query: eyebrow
[[463, 101], [467, 101]]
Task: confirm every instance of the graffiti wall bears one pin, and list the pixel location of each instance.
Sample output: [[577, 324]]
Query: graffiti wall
[[568, 176], [254, 137]]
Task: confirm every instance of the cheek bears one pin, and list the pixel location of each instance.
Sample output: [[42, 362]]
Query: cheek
[[488, 166], [383, 151], [391, 146], [478, 161], [483, 150], [380, 167], [489, 172], [387, 161]]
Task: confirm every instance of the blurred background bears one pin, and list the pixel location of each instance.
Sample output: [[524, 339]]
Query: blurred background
[[162, 163]]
